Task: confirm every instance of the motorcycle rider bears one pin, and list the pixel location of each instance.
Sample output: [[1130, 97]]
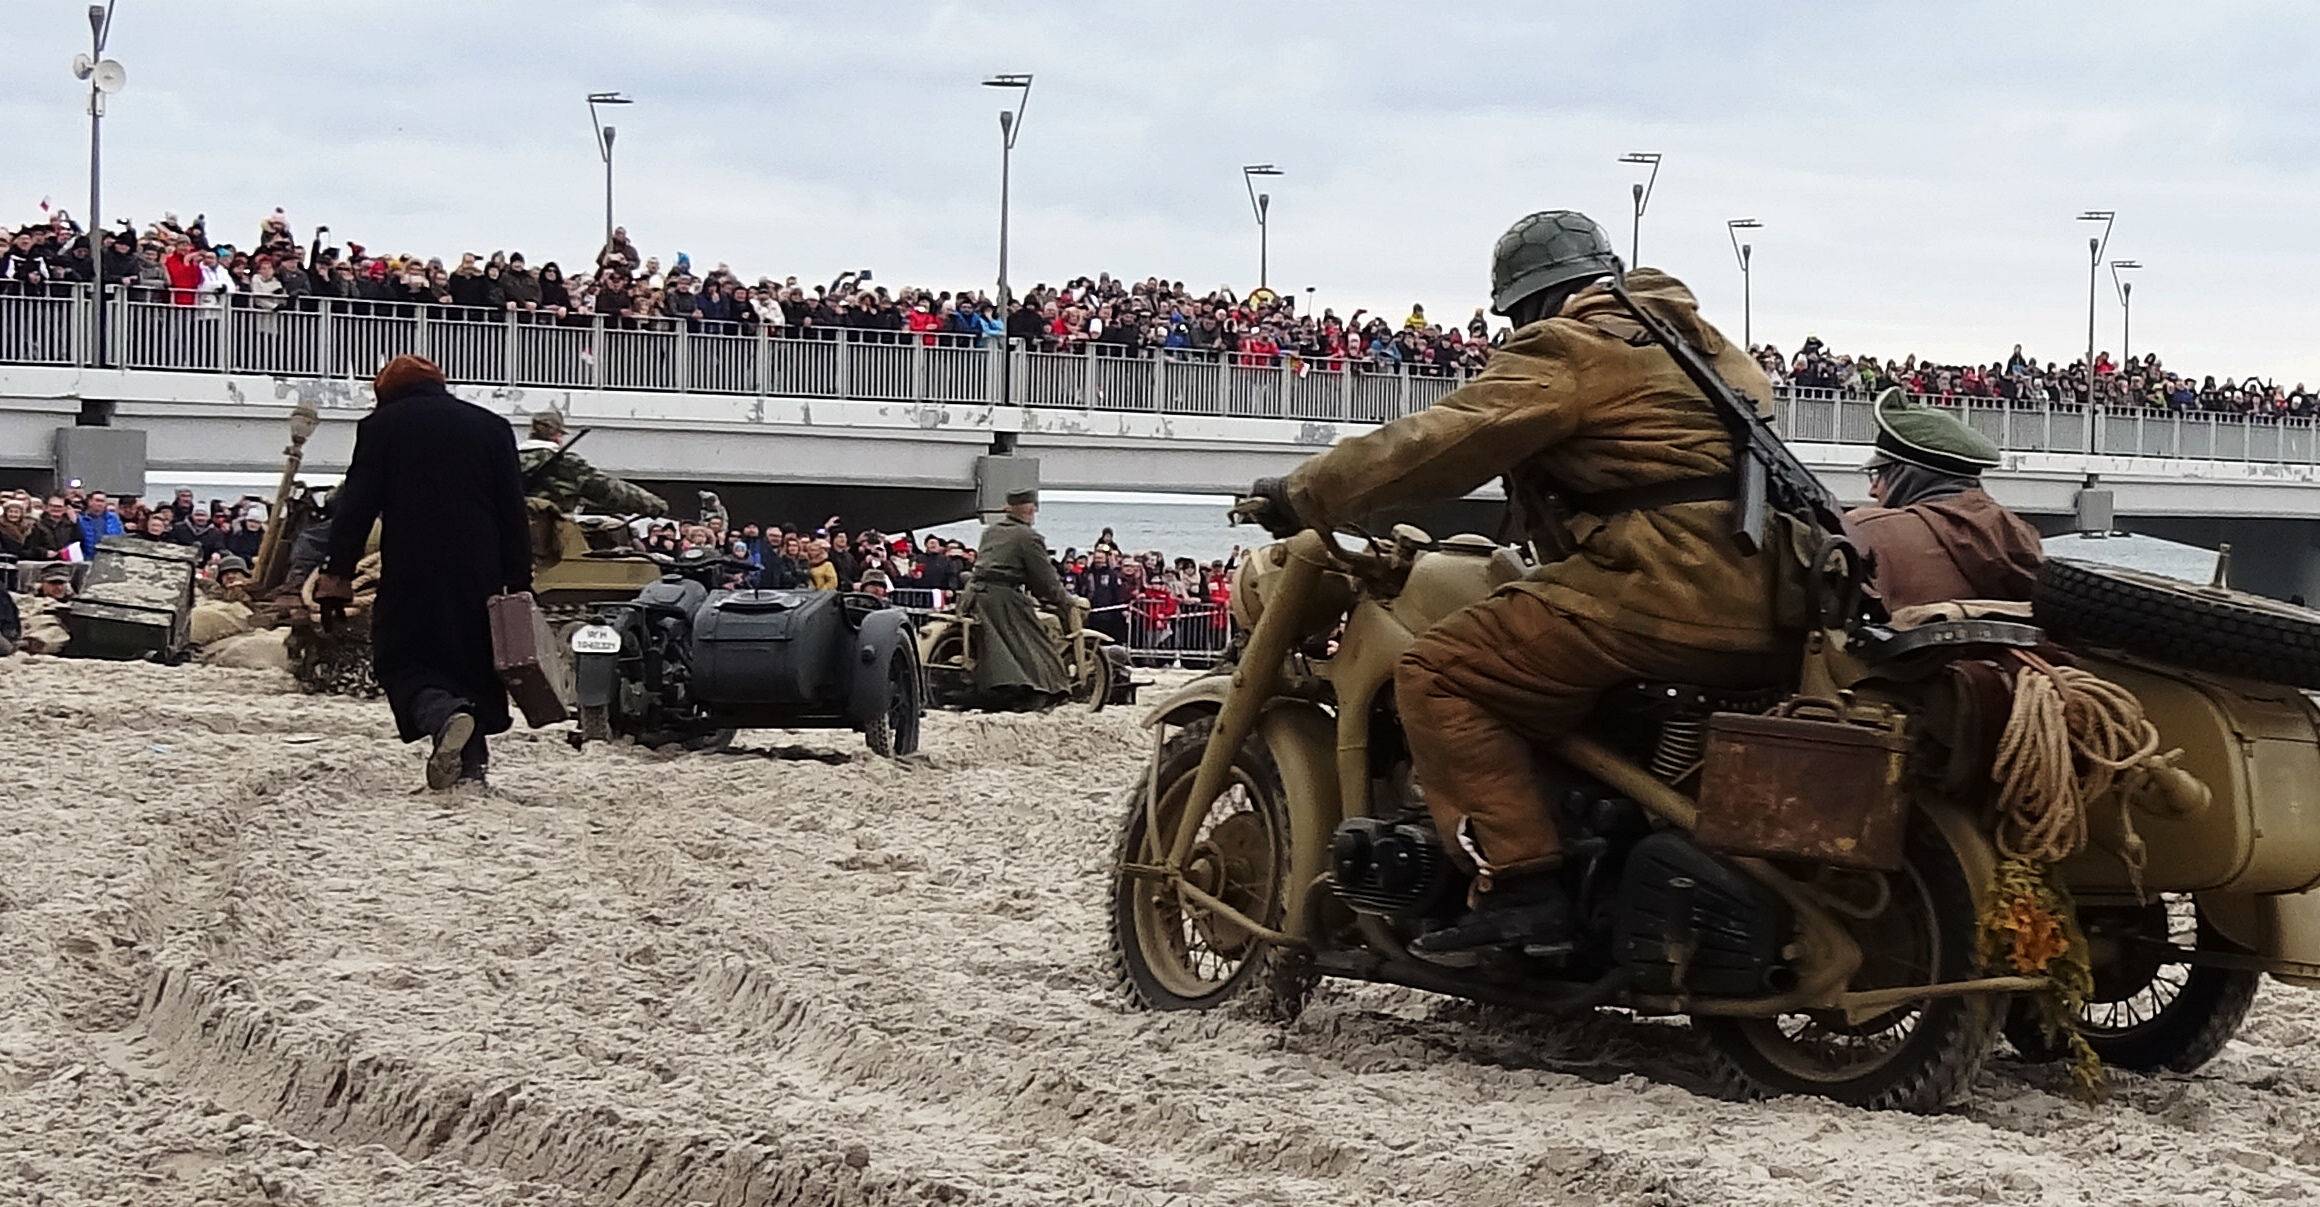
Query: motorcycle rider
[[1623, 477], [1935, 535], [571, 481], [1016, 665]]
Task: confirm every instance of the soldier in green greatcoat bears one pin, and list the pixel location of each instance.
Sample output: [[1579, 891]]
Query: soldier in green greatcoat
[[1016, 663], [570, 481]]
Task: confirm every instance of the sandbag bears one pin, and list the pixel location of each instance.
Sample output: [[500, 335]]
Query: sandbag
[[215, 620], [260, 650]]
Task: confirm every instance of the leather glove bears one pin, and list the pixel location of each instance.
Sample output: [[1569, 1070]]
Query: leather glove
[[1267, 506], [332, 594]]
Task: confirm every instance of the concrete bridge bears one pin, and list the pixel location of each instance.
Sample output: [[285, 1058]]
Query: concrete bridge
[[901, 432]]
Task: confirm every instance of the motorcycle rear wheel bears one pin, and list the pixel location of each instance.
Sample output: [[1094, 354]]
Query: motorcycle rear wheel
[[1170, 954], [2145, 1014], [1916, 1058]]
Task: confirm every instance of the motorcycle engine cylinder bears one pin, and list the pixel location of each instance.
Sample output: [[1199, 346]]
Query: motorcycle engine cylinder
[[1392, 868]]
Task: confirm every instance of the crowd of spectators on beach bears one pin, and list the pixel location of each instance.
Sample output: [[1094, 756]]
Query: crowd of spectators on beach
[[1157, 605], [1161, 607], [68, 525]]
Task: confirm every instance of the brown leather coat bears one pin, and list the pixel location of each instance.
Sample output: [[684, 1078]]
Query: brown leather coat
[[1966, 546], [1571, 404]]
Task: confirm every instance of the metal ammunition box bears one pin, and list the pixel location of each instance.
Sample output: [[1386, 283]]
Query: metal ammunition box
[[137, 601], [1792, 788]]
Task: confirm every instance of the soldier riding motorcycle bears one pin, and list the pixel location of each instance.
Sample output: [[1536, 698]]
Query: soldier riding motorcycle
[[1677, 759], [1624, 474]]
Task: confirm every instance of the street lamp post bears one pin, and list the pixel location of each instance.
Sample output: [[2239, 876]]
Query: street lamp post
[[105, 77], [1642, 194], [1745, 252], [2126, 309], [1010, 125], [2094, 251], [1262, 203], [604, 135]]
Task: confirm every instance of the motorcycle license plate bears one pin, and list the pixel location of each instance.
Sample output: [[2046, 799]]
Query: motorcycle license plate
[[596, 639]]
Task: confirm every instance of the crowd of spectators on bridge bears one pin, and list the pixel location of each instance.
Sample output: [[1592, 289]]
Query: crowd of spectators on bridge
[[2021, 380], [181, 263]]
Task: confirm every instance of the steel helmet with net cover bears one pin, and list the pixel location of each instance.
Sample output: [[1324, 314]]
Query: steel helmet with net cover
[[1549, 248]]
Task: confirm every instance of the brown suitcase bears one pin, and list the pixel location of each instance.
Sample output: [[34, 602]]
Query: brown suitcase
[[530, 660]]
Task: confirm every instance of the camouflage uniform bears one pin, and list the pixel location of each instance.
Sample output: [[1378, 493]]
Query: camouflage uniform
[[571, 481]]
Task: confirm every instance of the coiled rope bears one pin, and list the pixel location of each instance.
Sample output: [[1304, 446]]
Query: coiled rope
[[2069, 738]]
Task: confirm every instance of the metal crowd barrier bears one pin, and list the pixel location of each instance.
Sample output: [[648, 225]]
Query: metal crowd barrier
[[1194, 637], [330, 337], [339, 338]]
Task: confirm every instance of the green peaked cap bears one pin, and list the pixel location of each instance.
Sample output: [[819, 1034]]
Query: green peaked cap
[[1933, 439]]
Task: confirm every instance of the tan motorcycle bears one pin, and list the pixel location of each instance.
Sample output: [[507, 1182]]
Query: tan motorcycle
[[1801, 870]]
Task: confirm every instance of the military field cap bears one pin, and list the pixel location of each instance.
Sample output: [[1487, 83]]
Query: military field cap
[[547, 425], [1018, 497], [56, 574], [1929, 438]]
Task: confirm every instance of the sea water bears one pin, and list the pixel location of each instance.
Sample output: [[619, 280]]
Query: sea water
[[1196, 526]]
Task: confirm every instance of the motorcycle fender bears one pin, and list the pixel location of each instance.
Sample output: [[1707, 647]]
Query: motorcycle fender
[[883, 632], [1303, 742], [1976, 857], [1201, 697], [594, 678]]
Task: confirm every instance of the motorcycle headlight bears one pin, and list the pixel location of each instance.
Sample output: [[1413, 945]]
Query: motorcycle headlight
[[1248, 586]]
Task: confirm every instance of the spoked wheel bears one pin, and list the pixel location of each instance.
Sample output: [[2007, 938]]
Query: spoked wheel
[[895, 732], [1917, 1057], [2148, 1012], [1169, 952]]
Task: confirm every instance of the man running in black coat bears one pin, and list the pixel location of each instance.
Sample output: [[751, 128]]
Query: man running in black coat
[[440, 477]]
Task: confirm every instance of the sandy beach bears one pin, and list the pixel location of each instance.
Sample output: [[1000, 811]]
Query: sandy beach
[[242, 962]]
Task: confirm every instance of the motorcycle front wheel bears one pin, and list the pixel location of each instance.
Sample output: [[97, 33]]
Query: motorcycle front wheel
[[1918, 1057], [894, 733], [1168, 952]]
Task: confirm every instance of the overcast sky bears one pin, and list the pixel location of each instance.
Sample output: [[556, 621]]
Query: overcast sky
[[1917, 166]]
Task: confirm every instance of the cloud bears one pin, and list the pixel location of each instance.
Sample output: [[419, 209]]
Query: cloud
[[1917, 167]]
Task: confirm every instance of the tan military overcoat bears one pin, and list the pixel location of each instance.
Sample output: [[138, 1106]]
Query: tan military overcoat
[[1579, 403]]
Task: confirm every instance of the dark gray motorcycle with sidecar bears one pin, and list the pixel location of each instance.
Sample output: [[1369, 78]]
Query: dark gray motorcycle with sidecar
[[689, 660]]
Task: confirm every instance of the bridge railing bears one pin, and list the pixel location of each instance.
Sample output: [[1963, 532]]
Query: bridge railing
[[340, 338]]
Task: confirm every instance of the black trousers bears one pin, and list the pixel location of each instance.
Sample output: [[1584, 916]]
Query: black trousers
[[431, 707]]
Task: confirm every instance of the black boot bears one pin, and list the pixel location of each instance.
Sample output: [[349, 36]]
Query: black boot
[[1531, 912]]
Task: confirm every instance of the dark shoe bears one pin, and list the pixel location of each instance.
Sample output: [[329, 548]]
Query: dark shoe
[[443, 765], [474, 760], [1532, 913]]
